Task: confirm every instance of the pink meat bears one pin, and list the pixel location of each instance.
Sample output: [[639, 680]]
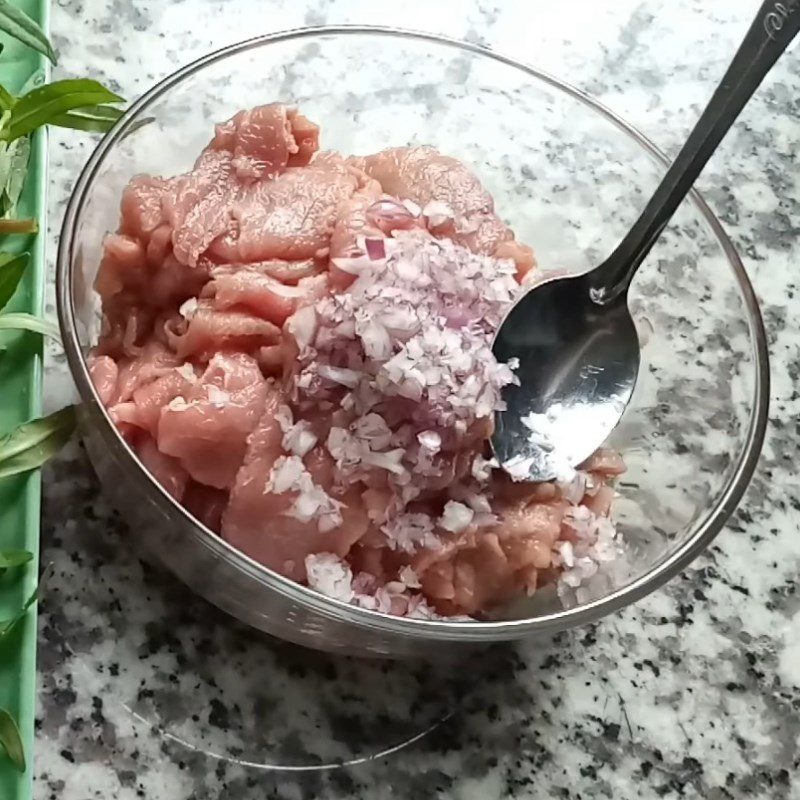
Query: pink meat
[[166, 470], [135, 293], [174, 282], [124, 266], [253, 291], [210, 331], [256, 520], [290, 217], [423, 174], [208, 432], [480, 569], [141, 207], [104, 373], [206, 504], [198, 205], [288, 272], [144, 408], [606, 462], [151, 362], [159, 245], [265, 139]]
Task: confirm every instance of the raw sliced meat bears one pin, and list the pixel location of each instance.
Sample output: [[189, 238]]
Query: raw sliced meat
[[208, 430], [288, 272], [173, 282], [258, 520], [124, 266], [151, 362], [198, 205], [290, 217], [206, 504], [264, 140], [483, 568], [258, 293], [605, 462], [210, 331], [141, 206], [144, 408], [166, 470], [104, 372]]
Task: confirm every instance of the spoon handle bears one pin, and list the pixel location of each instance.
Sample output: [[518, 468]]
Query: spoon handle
[[774, 27]]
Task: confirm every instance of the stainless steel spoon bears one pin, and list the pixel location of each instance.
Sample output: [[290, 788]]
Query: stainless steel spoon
[[574, 336]]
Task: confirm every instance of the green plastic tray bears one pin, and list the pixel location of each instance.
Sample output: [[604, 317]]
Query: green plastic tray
[[20, 400]]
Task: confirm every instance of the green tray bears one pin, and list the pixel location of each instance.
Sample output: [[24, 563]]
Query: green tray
[[20, 400]]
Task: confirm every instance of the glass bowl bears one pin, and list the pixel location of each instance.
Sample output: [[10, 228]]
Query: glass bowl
[[570, 178]]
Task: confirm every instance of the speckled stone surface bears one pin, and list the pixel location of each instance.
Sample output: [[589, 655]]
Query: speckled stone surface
[[693, 693]]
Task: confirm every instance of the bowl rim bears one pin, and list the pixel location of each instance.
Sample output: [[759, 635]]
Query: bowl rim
[[333, 609]]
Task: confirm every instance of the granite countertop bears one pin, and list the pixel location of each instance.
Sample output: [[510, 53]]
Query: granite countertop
[[693, 693]]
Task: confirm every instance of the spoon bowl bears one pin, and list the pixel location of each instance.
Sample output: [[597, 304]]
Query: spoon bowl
[[557, 417]]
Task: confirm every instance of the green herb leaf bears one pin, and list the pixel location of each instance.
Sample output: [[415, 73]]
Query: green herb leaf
[[19, 152], [14, 558], [35, 442], [43, 104], [28, 322], [20, 26], [98, 119], [14, 158], [7, 99], [7, 627], [11, 271], [11, 740]]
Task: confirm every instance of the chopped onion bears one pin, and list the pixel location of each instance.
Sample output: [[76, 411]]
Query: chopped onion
[[188, 309], [430, 440], [286, 475], [438, 213], [352, 266], [299, 439], [376, 341], [410, 532], [574, 488], [346, 377], [217, 396], [284, 417], [482, 468], [186, 371], [331, 576], [409, 578], [375, 249], [456, 517], [388, 215], [519, 467], [413, 207], [302, 325]]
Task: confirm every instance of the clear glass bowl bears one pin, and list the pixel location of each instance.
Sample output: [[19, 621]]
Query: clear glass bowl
[[570, 177]]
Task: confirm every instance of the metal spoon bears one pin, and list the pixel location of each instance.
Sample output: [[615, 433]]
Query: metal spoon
[[574, 336]]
